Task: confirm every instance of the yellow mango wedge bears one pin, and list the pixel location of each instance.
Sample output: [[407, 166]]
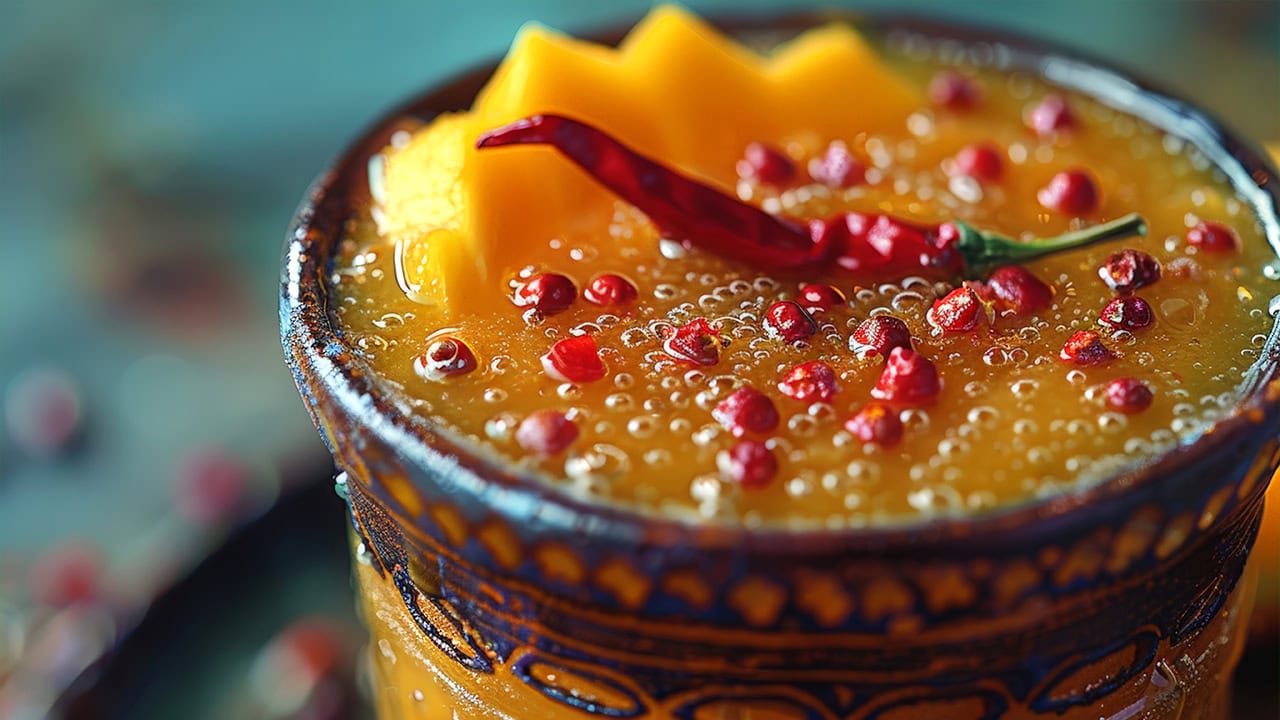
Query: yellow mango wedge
[[675, 89]]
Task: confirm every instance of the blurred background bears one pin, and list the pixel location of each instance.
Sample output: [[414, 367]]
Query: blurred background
[[156, 465]]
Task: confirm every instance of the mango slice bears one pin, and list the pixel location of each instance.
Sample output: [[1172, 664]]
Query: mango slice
[[675, 89]]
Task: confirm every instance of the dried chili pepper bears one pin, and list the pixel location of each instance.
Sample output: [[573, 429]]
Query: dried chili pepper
[[877, 247]]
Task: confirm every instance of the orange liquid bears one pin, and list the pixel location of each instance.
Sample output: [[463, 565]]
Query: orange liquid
[[1013, 422]]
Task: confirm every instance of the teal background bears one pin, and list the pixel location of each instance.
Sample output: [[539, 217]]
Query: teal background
[[177, 137]]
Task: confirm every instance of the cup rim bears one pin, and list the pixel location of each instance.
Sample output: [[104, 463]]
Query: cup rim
[[327, 372]]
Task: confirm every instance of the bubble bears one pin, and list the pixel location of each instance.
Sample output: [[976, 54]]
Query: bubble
[[822, 412], [599, 463], [862, 472], [800, 486], [657, 457], [952, 447], [634, 337], [983, 416], [1079, 427], [706, 435], [495, 395], [802, 425], [501, 427], [907, 301], [643, 427], [666, 291], [705, 488], [1024, 388], [914, 419], [619, 402], [995, 356]]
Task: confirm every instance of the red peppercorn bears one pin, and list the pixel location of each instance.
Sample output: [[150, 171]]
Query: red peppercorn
[[908, 378], [1128, 395], [837, 167], [959, 312], [820, 298], [574, 359], [1085, 347], [1052, 115], [951, 90], [44, 410], [749, 463], [813, 381], [766, 164], [879, 335], [877, 424], [785, 320], [1127, 313], [445, 357], [1073, 192], [696, 343], [1129, 270], [67, 574], [1213, 237], [610, 290], [211, 487], [546, 432], [981, 161], [548, 293], [1016, 288], [746, 410], [311, 649]]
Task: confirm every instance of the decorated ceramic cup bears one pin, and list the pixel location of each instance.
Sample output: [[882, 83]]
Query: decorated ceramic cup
[[491, 594]]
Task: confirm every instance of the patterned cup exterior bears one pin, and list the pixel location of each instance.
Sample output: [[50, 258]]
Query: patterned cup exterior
[[1043, 608]]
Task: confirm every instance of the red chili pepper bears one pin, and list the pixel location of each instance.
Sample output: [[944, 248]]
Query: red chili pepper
[[877, 247]]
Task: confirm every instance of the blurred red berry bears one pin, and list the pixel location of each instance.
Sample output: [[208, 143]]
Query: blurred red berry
[[1128, 395], [546, 432], [1213, 237], [746, 410], [749, 464], [877, 424], [1072, 192], [951, 90], [981, 161]]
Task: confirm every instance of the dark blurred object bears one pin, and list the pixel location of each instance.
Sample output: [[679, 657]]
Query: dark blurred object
[[264, 629]]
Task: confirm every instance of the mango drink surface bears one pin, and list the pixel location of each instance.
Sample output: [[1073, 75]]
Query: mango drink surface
[[450, 235]]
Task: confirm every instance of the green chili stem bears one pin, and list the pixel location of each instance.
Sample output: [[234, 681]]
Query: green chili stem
[[984, 251]]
